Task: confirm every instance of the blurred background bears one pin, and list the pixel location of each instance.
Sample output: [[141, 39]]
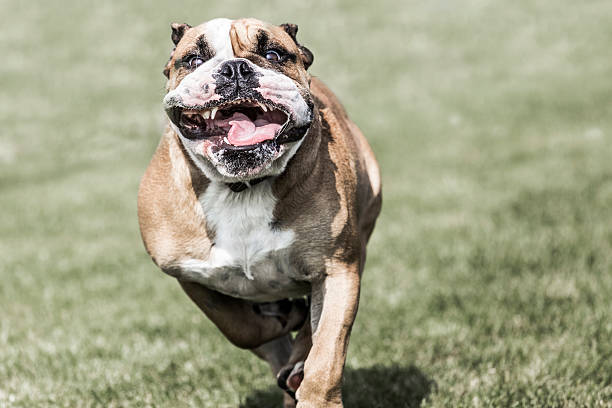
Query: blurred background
[[489, 275]]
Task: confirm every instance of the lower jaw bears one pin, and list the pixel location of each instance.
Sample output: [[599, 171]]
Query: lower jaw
[[224, 162], [241, 163]]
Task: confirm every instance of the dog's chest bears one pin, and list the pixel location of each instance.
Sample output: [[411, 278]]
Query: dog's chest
[[248, 258]]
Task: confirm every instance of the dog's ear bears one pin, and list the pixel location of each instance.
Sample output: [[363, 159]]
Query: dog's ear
[[290, 29], [305, 53], [178, 30]]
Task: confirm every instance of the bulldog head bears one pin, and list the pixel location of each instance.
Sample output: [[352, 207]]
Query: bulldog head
[[238, 96]]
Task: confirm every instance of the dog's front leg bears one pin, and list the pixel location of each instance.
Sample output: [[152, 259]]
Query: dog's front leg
[[334, 305]]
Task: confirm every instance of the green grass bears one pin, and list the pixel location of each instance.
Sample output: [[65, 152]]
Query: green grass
[[489, 280]]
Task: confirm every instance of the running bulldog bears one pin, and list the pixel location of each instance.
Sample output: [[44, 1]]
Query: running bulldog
[[260, 200]]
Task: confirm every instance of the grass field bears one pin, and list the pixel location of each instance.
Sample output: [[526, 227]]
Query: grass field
[[489, 280]]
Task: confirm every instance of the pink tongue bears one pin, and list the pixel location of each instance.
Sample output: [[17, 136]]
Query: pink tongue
[[245, 132]]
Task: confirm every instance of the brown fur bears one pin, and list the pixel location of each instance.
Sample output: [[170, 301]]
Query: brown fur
[[244, 34], [329, 195]]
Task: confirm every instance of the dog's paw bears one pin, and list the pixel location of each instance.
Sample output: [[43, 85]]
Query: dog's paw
[[290, 377], [295, 377]]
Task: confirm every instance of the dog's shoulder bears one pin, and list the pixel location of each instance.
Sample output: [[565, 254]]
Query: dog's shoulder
[[353, 160], [338, 198], [170, 216]]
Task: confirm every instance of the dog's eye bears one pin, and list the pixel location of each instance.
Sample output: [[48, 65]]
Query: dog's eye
[[195, 62], [273, 56]]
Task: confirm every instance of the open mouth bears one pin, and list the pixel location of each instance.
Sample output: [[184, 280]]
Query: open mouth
[[242, 123]]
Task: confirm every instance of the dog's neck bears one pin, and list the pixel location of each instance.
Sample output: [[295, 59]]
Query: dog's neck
[[243, 185]]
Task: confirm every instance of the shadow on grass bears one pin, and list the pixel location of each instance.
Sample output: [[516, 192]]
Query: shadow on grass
[[372, 387]]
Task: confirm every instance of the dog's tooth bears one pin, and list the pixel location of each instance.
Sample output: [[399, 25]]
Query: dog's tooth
[[206, 114], [213, 112], [262, 106]]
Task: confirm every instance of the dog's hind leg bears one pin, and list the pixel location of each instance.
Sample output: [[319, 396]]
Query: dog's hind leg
[[290, 376], [276, 352], [240, 321], [285, 355]]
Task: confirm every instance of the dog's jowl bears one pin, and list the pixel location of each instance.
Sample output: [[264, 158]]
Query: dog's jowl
[[260, 200]]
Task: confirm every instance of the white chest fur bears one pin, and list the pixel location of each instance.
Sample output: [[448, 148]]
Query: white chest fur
[[242, 225], [247, 258]]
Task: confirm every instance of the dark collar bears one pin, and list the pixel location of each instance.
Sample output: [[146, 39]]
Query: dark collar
[[243, 185]]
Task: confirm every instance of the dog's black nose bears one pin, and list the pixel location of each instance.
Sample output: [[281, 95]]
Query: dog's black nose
[[236, 70], [236, 78]]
